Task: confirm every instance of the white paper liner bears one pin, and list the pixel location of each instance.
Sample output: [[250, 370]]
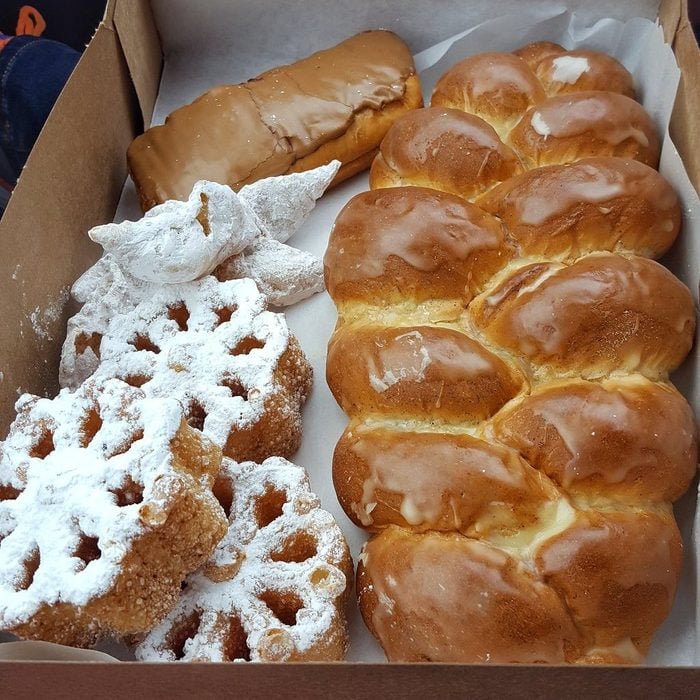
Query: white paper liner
[[637, 43]]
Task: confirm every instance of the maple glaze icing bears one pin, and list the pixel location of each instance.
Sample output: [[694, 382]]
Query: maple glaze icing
[[582, 70], [240, 133], [568, 127], [446, 149], [603, 313], [491, 85], [617, 571], [537, 51], [437, 481], [627, 438], [445, 597], [593, 204], [418, 370], [418, 241]]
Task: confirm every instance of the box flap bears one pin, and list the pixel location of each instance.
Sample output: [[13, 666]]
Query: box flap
[[140, 43], [72, 181], [685, 122]]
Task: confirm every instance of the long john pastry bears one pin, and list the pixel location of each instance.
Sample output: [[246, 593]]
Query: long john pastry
[[335, 104], [514, 441]]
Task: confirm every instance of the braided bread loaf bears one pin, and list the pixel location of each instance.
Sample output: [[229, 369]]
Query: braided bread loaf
[[514, 441]]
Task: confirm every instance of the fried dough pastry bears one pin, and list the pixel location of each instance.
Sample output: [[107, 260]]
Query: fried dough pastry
[[106, 504], [238, 373], [275, 588], [336, 104]]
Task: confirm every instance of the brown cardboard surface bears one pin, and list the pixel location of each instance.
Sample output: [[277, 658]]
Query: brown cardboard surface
[[669, 17], [138, 36], [685, 123], [72, 181], [335, 681]]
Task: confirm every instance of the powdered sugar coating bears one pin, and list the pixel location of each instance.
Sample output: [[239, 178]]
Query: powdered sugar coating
[[251, 565], [181, 241], [210, 345], [282, 203], [285, 275], [107, 282], [61, 468], [105, 291]]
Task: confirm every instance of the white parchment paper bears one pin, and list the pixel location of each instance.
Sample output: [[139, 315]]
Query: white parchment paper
[[638, 43]]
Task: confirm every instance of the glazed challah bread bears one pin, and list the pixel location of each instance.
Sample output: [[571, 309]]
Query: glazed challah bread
[[514, 442], [549, 107], [562, 211]]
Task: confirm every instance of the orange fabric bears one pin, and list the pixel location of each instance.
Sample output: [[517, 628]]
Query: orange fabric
[[30, 21]]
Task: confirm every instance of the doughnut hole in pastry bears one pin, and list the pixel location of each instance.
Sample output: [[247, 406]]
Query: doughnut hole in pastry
[[277, 584], [83, 341], [247, 345], [143, 342], [299, 547], [180, 314], [225, 313], [44, 446]]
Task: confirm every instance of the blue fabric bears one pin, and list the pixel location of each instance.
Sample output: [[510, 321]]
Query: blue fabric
[[33, 72]]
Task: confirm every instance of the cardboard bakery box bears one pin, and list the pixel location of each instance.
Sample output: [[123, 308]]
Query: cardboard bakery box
[[145, 60]]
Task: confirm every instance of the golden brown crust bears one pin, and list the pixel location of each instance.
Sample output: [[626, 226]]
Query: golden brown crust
[[568, 127], [278, 430], [535, 52], [565, 211], [444, 149], [580, 70], [546, 553], [276, 586], [601, 314], [575, 431], [357, 147], [617, 572], [418, 371], [412, 243], [414, 587], [385, 474], [495, 86], [153, 568], [351, 93]]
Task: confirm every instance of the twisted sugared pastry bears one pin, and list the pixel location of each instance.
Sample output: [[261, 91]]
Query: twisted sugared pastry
[[514, 442]]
